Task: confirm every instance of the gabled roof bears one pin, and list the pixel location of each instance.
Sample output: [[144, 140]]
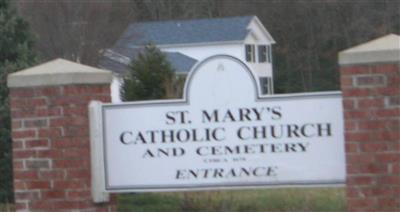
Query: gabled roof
[[185, 31], [113, 65], [118, 60], [180, 62]]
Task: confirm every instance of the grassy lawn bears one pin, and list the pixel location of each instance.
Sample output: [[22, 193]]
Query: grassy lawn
[[309, 199]]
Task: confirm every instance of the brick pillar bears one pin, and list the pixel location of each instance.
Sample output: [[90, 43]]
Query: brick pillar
[[370, 82], [50, 131]]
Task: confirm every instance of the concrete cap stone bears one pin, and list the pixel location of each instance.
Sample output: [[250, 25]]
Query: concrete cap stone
[[58, 72], [383, 49]]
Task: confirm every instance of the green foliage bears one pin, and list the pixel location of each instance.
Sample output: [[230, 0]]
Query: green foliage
[[150, 76], [147, 202], [15, 53], [260, 200]]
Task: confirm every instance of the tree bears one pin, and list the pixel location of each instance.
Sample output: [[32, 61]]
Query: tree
[[15, 54], [309, 34], [146, 10], [150, 77], [75, 30], [81, 30]]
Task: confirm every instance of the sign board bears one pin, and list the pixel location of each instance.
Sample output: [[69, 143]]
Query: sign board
[[222, 134]]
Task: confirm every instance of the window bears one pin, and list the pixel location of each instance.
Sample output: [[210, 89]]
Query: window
[[262, 53], [271, 86], [269, 54], [266, 85], [250, 53]]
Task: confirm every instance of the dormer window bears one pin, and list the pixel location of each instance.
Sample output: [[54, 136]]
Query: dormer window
[[250, 53]]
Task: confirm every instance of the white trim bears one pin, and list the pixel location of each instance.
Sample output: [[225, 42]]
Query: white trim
[[263, 29], [253, 35], [216, 43], [337, 184], [98, 190]]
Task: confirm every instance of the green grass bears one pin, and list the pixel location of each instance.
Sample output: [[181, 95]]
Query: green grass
[[6, 207], [276, 200]]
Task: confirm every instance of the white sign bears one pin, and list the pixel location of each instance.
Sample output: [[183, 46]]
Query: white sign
[[222, 134]]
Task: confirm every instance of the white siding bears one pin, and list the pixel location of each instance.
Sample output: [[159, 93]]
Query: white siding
[[200, 52], [236, 50], [262, 69], [115, 89], [257, 36]]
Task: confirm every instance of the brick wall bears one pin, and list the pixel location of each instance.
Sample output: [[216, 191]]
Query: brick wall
[[50, 131], [371, 100], [51, 148]]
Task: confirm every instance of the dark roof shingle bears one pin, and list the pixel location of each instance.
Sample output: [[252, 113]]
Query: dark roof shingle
[[180, 62], [185, 31]]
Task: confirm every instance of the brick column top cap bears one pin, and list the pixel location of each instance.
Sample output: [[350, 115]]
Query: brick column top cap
[[58, 72], [383, 49]]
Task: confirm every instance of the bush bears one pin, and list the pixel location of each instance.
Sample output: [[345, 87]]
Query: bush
[[150, 77]]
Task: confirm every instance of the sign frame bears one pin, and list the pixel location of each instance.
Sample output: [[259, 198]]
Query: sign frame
[[98, 121]]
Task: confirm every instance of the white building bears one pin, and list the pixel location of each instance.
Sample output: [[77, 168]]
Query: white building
[[186, 42]]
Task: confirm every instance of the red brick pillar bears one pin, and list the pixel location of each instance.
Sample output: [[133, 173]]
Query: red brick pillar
[[50, 131], [370, 82]]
